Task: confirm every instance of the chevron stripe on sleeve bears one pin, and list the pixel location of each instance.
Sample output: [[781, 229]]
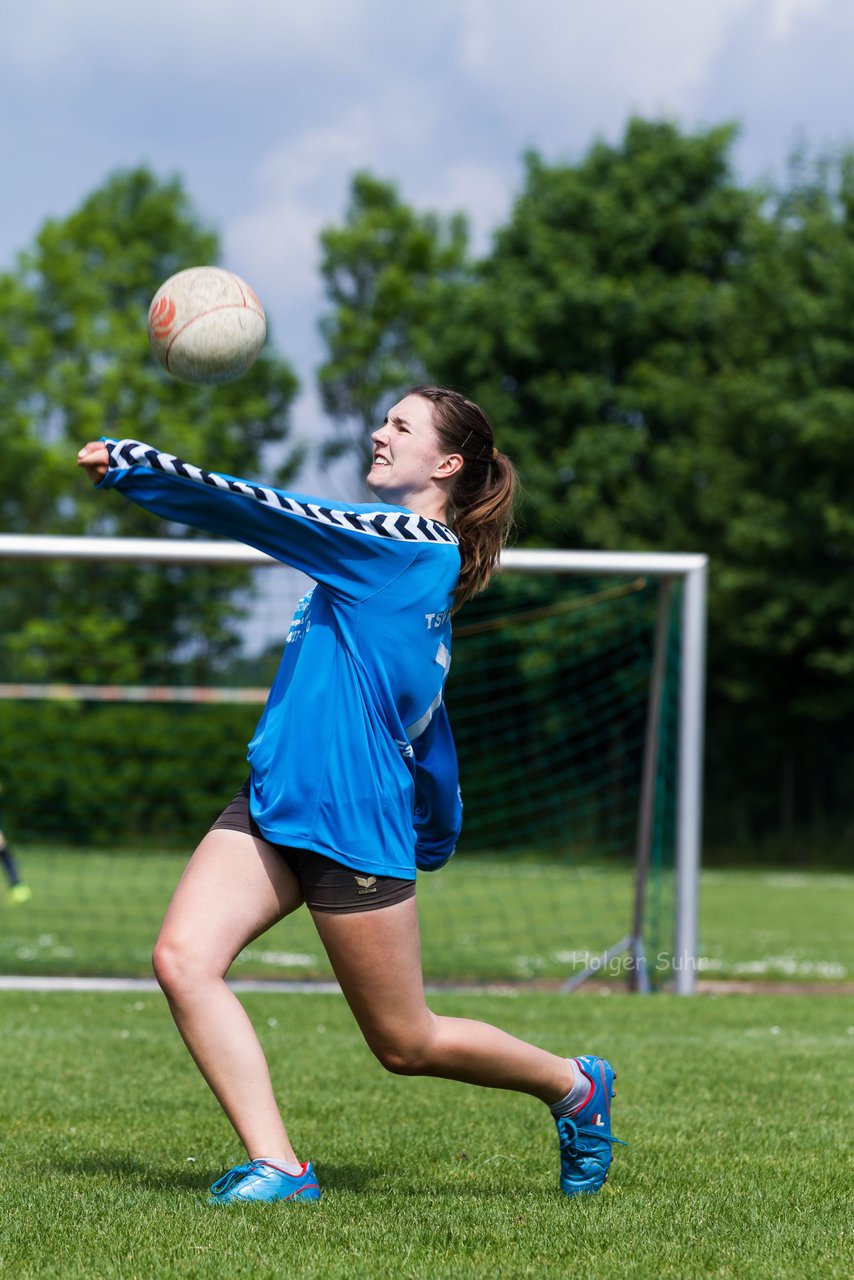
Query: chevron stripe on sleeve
[[388, 523]]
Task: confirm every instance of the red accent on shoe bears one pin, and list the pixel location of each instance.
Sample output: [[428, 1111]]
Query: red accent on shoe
[[583, 1104]]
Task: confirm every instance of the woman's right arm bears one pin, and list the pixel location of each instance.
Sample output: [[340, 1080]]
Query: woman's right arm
[[354, 550]]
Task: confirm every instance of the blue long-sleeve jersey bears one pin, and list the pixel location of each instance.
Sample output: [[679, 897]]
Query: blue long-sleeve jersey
[[353, 756]]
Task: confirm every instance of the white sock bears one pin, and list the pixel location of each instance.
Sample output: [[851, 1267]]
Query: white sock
[[293, 1170], [579, 1092]]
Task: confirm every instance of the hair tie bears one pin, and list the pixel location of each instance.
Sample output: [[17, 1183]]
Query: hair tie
[[494, 454]]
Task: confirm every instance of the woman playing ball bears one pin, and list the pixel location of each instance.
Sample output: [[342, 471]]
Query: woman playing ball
[[352, 779]]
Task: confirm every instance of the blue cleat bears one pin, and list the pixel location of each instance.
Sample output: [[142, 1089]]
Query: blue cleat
[[262, 1181], [585, 1137]]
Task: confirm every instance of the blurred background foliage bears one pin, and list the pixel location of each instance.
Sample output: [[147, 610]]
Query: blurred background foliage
[[75, 365]]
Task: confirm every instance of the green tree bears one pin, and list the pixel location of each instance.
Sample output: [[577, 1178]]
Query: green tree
[[75, 365], [592, 329], [386, 273], [668, 357], [786, 552]]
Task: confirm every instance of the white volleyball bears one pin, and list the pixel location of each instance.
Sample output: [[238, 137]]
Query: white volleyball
[[206, 325]]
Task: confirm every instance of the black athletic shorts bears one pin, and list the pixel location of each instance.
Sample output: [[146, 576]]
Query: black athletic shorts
[[326, 885]]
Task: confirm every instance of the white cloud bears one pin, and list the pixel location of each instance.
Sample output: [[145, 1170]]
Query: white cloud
[[302, 185], [290, 205], [598, 62], [275, 248]]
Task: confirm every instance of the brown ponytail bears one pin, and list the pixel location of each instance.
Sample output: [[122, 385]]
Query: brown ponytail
[[483, 494]]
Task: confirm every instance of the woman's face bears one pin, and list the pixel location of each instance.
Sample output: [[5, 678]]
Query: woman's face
[[407, 453]]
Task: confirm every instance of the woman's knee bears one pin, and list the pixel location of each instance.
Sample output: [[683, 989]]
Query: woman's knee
[[166, 962], [403, 1054], [179, 966]]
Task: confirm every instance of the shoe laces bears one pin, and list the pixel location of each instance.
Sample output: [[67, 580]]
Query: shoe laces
[[569, 1132], [235, 1175]]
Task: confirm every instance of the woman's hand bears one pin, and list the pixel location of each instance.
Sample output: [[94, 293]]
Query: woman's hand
[[94, 459]]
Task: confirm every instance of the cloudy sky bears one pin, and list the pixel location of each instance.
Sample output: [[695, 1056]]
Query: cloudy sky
[[267, 107]]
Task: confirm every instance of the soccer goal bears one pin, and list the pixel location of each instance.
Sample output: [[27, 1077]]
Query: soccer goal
[[133, 671]]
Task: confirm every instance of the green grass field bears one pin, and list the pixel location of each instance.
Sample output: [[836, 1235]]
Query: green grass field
[[483, 919], [735, 1109]]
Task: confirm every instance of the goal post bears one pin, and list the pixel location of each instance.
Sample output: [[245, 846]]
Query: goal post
[[677, 610], [692, 570]]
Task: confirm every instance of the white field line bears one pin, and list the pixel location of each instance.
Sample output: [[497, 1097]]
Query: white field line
[[38, 983]]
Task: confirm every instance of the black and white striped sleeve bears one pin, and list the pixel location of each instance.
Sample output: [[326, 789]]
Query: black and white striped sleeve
[[345, 546]]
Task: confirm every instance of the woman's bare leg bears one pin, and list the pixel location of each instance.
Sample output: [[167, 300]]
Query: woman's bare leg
[[376, 956], [233, 889]]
